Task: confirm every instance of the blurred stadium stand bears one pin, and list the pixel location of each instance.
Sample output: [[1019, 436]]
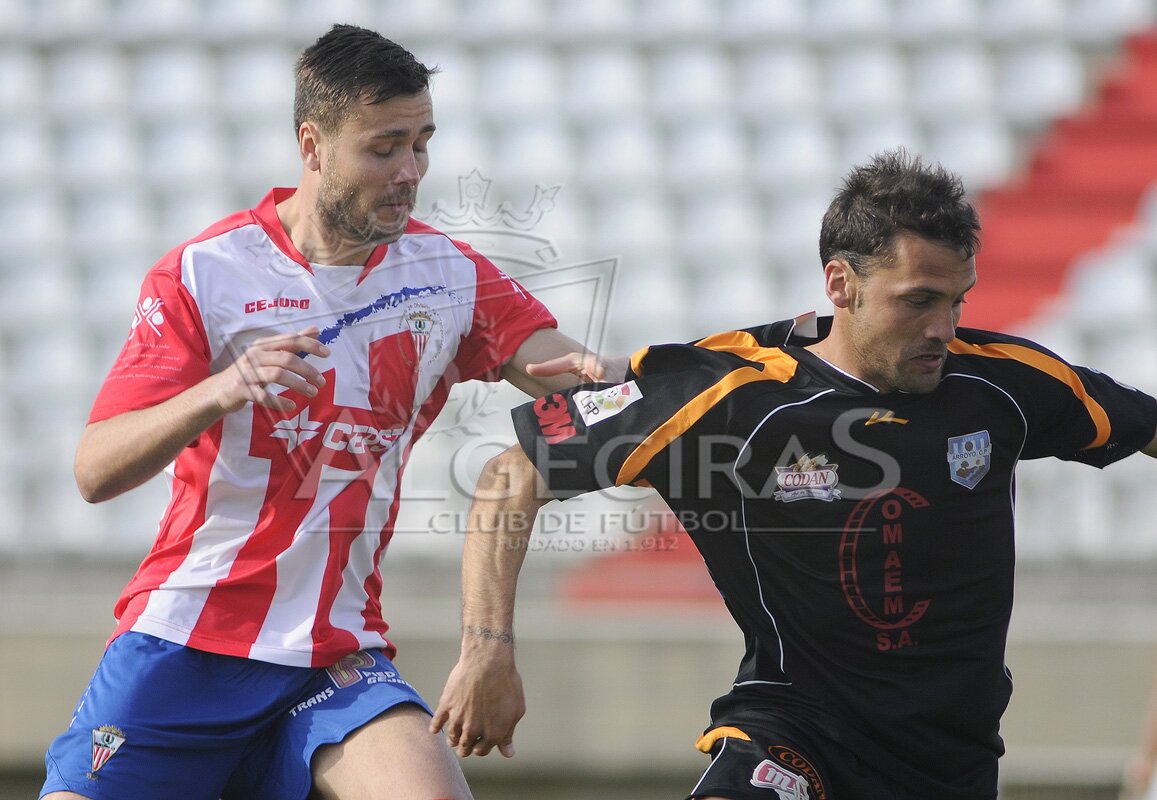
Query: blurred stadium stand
[[697, 142]]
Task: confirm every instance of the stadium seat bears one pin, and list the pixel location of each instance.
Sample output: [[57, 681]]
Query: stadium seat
[[601, 21], [537, 150], [69, 19], [113, 219], [923, 22], [255, 81], [957, 80], [758, 23], [263, 153], [495, 22], [32, 217], [521, 80], [620, 155], [690, 81], [453, 87], [171, 80], [980, 148], [101, 149], [186, 149], [861, 142], [720, 227], [793, 153], [1040, 82], [777, 81], [308, 19], [632, 221], [90, 78], [865, 81], [668, 21], [30, 151], [1025, 20], [1104, 22], [706, 157], [148, 21], [602, 82], [21, 81], [228, 20], [849, 20]]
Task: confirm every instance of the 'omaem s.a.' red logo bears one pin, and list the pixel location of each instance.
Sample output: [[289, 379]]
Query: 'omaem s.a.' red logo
[[554, 419]]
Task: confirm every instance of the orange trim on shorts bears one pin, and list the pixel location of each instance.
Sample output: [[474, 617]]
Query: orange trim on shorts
[[708, 740], [1050, 366]]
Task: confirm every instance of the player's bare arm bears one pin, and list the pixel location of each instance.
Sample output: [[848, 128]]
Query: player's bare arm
[[1151, 448], [483, 698], [122, 452], [549, 360]]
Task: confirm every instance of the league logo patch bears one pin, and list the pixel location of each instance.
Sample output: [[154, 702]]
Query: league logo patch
[[788, 785], [969, 458], [106, 740], [602, 405], [810, 478]]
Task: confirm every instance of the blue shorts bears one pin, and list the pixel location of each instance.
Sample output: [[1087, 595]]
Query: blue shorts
[[160, 720]]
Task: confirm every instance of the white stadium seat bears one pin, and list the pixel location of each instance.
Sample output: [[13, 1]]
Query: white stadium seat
[[957, 79], [174, 80]]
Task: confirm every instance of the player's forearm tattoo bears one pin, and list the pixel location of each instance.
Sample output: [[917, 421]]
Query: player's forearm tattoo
[[489, 633]]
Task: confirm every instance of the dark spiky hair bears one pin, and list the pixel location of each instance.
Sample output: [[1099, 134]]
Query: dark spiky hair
[[895, 193]]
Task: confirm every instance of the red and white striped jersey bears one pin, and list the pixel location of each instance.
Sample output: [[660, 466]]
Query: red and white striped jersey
[[270, 544]]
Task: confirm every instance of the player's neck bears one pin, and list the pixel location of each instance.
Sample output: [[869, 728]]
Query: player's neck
[[317, 243]]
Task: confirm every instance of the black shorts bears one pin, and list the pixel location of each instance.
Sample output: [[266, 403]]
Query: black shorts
[[762, 757]]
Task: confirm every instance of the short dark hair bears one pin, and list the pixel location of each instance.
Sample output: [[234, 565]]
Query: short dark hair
[[350, 65], [895, 193]]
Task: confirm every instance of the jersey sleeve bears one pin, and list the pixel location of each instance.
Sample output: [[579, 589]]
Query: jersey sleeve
[[642, 432], [1071, 412], [167, 350], [504, 315]]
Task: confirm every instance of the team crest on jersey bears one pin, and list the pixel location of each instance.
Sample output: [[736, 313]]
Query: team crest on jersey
[[969, 458], [106, 740], [422, 323], [599, 406], [810, 478], [787, 784]]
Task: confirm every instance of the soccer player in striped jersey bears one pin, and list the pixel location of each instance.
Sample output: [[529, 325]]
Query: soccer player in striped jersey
[[865, 465], [280, 367]]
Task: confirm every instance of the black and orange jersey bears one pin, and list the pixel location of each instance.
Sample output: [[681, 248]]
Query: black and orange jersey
[[862, 541]]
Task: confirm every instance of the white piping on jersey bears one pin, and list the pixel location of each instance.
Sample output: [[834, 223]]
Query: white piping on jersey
[[1015, 461], [714, 761], [845, 374], [747, 532]]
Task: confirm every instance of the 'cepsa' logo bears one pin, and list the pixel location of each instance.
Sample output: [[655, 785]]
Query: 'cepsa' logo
[[554, 419], [339, 435]]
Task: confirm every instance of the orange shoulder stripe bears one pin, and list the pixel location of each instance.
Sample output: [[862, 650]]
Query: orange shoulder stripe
[[780, 368], [1050, 366]]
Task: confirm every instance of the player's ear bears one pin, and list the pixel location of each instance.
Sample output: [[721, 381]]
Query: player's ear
[[840, 283], [308, 141]]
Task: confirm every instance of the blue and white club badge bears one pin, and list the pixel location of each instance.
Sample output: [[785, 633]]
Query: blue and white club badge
[[969, 457]]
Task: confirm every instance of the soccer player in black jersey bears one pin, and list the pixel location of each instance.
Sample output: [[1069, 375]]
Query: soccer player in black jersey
[[866, 463]]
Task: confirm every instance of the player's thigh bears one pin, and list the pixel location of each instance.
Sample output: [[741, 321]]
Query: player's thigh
[[394, 756]]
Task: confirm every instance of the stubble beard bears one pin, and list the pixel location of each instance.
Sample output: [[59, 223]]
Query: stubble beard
[[338, 210]]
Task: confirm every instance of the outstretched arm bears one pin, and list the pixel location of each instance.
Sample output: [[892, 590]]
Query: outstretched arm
[[483, 698], [549, 360]]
